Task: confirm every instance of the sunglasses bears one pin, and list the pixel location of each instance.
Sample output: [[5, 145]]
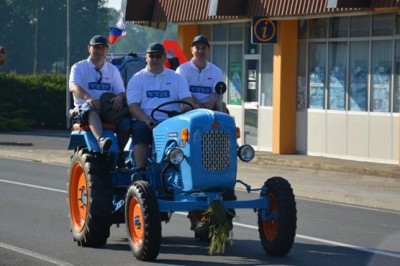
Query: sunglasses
[[156, 56], [100, 75]]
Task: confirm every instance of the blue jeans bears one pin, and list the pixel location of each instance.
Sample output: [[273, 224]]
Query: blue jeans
[[141, 133], [82, 117]]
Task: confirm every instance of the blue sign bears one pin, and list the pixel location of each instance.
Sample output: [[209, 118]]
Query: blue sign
[[263, 30]]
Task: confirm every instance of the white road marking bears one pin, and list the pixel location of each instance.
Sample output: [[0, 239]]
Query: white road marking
[[334, 243], [29, 185], [330, 242], [35, 255]]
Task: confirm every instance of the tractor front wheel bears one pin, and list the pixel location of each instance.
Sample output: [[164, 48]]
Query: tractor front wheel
[[277, 223], [143, 224]]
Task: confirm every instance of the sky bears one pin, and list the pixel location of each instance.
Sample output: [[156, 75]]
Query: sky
[[116, 4]]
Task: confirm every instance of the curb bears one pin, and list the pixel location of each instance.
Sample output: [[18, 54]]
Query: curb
[[11, 143], [368, 169]]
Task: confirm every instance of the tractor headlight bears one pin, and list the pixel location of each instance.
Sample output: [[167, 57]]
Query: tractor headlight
[[246, 153], [175, 156]]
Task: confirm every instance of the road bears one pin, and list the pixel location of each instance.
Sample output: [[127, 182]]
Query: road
[[35, 230]]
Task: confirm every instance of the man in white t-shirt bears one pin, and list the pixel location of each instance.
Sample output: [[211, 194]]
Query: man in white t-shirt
[[89, 79], [202, 76], [147, 89]]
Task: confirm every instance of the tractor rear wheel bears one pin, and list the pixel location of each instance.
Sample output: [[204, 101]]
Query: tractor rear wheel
[[143, 224], [277, 224], [89, 199]]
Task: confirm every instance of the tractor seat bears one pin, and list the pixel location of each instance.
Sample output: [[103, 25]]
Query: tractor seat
[[106, 126]]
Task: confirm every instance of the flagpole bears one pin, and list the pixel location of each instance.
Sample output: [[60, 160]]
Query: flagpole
[[129, 42], [68, 95]]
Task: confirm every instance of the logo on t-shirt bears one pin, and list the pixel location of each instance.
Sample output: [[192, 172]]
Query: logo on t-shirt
[[200, 89], [99, 86], [158, 94]]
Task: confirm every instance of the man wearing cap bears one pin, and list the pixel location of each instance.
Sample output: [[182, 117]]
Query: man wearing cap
[[147, 89], [202, 76], [89, 79]]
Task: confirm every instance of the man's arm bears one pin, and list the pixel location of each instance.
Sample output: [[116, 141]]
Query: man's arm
[[212, 101], [186, 107], [137, 113], [118, 100], [79, 92]]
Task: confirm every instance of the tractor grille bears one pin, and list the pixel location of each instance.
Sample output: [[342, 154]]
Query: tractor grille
[[215, 153]]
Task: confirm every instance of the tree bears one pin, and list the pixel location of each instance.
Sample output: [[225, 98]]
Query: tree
[[34, 33], [42, 24]]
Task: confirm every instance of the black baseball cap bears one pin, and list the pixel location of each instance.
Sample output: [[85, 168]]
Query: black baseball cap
[[200, 38], [155, 47], [98, 40]]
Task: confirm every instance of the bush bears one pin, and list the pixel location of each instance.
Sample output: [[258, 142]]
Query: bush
[[32, 101]]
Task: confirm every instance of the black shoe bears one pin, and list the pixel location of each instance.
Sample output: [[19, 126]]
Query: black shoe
[[202, 232], [104, 143]]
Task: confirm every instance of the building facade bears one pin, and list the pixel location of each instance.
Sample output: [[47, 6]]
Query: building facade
[[329, 85]]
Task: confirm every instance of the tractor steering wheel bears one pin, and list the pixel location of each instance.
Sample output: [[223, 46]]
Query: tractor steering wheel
[[170, 113]]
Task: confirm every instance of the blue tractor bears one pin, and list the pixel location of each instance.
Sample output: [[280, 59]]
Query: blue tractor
[[193, 164]]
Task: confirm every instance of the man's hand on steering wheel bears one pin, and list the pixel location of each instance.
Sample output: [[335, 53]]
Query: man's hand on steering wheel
[[186, 106]]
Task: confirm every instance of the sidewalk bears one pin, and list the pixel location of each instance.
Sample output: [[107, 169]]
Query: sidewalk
[[352, 182], [329, 164]]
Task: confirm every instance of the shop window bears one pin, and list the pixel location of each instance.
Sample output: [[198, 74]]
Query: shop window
[[317, 81], [302, 29], [337, 76], [302, 76], [359, 26], [219, 59], [396, 97], [235, 93], [359, 52], [317, 28], [220, 32], [266, 74], [338, 27], [381, 75], [382, 25], [236, 32]]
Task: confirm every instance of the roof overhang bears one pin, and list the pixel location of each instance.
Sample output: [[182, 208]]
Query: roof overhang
[[348, 3], [139, 10], [156, 13], [227, 8]]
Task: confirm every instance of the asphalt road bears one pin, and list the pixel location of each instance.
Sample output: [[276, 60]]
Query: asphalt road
[[355, 188], [35, 230]]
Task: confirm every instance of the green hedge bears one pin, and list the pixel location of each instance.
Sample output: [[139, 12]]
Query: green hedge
[[32, 101]]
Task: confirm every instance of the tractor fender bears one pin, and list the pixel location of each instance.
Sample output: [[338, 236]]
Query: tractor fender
[[81, 138]]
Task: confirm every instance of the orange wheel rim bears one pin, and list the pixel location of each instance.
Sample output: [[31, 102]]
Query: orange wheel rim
[[270, 227], [78, 197], [135, 220]]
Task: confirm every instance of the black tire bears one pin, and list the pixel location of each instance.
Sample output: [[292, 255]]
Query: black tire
[[143, 222], [278, 232], [89, 198]]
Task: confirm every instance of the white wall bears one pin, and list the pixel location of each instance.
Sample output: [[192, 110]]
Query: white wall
[[356, 136]]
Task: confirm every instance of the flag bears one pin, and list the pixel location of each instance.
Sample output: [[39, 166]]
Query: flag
[[174, 53], [117, 32]]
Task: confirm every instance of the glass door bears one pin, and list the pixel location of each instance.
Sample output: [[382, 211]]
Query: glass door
[[251, 99]]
